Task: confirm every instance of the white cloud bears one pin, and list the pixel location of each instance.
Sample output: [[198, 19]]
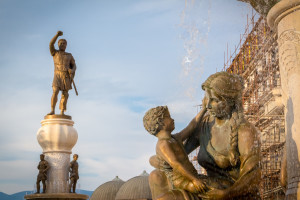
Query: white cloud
[[17, 175], [15, 169]]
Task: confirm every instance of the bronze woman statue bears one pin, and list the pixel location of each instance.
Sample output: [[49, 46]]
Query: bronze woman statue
[[228, 147], [228, 143]]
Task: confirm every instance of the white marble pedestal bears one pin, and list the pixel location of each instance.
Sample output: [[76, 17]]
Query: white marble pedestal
[[57, 137]]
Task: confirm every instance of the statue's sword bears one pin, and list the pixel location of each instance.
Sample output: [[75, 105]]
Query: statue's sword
[[75, 87], [73, 84]]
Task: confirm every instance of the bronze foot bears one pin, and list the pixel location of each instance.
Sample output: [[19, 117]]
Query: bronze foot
[[51, 113]]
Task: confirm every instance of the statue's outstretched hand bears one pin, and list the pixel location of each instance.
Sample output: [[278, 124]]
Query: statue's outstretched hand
[[60, 33], [199, 185]]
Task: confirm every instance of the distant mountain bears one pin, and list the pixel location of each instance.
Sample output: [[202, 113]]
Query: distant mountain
[[16, 196], [20, 195], [4, 196]]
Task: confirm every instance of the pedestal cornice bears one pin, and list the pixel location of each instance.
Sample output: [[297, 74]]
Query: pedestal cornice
[[280, 10], [57, 121], [58, 117]]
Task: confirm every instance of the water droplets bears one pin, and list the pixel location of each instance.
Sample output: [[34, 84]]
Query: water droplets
[[195, 28]]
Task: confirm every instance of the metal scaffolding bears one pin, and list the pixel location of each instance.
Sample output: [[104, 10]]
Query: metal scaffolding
[[256, 60]]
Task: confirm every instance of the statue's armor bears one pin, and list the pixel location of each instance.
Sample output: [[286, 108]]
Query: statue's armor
[[74, 170], [62, 63], [42, 166], [62, 60]]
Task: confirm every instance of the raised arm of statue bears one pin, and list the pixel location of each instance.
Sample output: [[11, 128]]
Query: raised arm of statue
[[188, 131], [52, 42]]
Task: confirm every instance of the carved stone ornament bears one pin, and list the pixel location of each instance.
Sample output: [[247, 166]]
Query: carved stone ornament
[[289, 54]]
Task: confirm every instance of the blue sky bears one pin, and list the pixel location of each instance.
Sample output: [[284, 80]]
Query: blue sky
[[130, 56]]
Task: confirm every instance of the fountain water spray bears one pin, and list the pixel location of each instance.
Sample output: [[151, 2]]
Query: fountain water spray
[[196, 26]]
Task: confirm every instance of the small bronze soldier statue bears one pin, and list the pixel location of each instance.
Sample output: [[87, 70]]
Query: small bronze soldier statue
[[64, 72], [73, 173], [42, 176]]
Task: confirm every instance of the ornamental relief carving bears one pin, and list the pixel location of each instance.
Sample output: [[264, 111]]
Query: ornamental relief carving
[[289, 35], [289, 54]]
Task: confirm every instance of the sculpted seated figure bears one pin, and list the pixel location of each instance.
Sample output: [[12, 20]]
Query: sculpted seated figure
[[229, 146], [171, 160]]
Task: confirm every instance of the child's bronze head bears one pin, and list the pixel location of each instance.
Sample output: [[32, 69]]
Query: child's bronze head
[[154, 119]]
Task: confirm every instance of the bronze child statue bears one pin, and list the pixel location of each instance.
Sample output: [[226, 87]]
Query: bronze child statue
[[42, 176], [74, 176], [171, 160], [64, 72]]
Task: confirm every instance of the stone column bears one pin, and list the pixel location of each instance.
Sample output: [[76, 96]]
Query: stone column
[[284, 18], [57, 137]]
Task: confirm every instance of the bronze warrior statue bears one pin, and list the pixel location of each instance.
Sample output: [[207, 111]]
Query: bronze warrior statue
[[229, 147], [64, 72], [74, 176], [42, 176]]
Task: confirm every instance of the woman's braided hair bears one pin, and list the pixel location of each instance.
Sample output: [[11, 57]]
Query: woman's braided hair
[[229, 87]]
